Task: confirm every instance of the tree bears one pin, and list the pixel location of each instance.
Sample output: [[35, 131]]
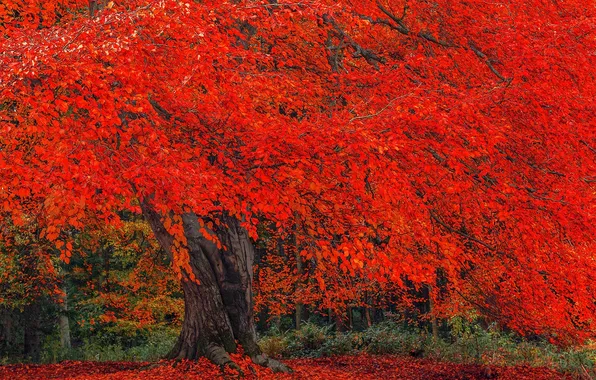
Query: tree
[[28, 281], [391, 138]]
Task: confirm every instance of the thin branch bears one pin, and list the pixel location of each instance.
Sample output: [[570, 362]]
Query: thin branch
[[436, 218], [371, 57], [274, 4], [488, 62], [588, 145], [381, 110], [429, 37], [401, 26], [77, 34]]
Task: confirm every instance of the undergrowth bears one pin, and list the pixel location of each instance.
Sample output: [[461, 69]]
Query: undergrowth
[[149, 346], [466, 344]]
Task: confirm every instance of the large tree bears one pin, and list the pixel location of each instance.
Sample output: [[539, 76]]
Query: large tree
[[394, 139]]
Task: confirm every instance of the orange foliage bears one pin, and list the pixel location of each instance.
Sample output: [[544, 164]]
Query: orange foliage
[[139, 291]]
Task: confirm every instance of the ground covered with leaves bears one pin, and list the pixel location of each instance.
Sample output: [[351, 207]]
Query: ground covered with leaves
[[341, 367]]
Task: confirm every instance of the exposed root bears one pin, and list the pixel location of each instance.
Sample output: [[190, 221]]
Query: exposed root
[[233, 366], [219, 356], [274, 365]]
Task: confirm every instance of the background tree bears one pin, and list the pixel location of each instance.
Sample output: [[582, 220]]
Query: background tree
[[29, 284]]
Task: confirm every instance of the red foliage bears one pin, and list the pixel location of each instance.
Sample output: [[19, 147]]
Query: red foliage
[[341, 368]]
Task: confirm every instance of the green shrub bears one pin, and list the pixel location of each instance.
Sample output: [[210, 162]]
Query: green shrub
[[311, 337], [392, 338], [275, 346], [467, 342], [150, 345], [311, 340], [306, 342], [340, 344]]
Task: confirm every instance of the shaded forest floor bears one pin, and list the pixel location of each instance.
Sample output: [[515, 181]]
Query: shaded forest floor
[[336, 368]]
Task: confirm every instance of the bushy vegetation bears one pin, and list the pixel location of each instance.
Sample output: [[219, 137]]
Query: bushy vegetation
[[148, 345], [463, 342], [460, 342]]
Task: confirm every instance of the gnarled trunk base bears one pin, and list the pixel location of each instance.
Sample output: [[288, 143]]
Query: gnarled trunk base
[[219, 305]]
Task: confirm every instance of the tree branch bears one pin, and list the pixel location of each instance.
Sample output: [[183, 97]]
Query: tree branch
[[370, 57], [488, 62], [401, 26], [436, 218]]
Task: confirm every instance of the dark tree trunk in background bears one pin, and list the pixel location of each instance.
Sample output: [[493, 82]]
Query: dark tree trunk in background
[[299, 306], [367, 317], [7, 332], [433, 316], [350, 312], [367, 310], [63, 321], [219, 306], [340, 321], [32, 327]]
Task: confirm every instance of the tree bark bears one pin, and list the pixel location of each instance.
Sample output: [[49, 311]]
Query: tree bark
[[7, 332], [299, 305], [433, 320], [350, 312], [340, 322], [63, 322], [367, 310], [368, 317], [219, 305], [32, 327]]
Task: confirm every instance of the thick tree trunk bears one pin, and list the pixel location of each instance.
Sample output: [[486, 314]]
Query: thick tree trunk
[[219, 306]]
